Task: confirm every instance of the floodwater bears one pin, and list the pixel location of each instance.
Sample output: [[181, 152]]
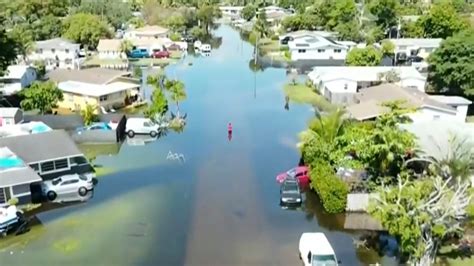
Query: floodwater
[[219, 206]]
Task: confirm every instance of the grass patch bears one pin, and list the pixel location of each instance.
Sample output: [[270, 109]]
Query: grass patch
[[300, 93], [470, 119], [96, 61], [103, 171], [66, 245], [268, 45]]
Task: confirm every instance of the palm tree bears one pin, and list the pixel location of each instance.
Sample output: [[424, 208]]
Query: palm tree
[[89, 115], [261, 25], [126, 46], [177, 91], [326, 128]]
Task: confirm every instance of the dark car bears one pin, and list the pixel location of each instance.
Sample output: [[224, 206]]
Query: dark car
[[290, 193], [285, 40]]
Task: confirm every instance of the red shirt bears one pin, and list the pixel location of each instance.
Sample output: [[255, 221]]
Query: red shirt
[[229, 127]]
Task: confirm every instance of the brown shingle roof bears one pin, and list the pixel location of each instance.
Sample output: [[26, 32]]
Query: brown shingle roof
[[371, 98], [89, 75]]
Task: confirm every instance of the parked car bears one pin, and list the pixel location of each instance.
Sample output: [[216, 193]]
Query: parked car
[[290, 193], [285, 40], [11, 220], [139, 53], [161, 54], [95, 126], [142, 126], [67, 184], [299, 172], [315, 249]]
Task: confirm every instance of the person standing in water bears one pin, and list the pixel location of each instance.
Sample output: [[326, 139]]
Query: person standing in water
[[229, 131]]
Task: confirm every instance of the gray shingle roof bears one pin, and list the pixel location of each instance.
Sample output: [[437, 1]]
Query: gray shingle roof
[[18, 176], [99, 76], [42, 146], [56, 43]]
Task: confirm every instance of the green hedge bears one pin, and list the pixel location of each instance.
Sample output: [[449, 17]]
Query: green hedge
[[331, 189]]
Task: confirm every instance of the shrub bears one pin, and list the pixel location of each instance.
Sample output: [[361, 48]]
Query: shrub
[[275, 37], [284, 48], [13, 201], [331, 189], [175, 36], [287, 55]]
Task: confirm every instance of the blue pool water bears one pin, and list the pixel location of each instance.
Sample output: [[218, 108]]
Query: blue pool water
[[10, 162]]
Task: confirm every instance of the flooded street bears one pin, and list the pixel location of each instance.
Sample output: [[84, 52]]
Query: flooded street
[[219, 207]]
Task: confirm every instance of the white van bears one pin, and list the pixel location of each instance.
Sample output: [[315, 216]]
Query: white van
[[141, 126]]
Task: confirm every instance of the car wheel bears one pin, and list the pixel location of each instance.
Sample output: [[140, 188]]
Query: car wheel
[[131, 133], [82, 191], [153, 134], [51, 195]]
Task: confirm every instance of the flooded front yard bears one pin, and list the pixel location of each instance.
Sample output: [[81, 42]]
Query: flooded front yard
[[219, 207]]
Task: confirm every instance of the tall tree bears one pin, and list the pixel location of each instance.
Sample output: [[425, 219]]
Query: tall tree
[[85, 29], [7, 48], [385, 11], [114, 12], [206, 15], [441, 21], [248, 12], [159, 104], [47, 27], [451, 70], [368, 56], [42, 96], [23, 37], [177, 91], [261, 27]]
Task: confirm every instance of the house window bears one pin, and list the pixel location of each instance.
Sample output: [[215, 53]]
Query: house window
[[53, 51], [47, 166], [301, 51], [35, 167], [345, 86], [61, 164], [21, 189], [67, 51], [103, 98], [337, 50], [321, 50]]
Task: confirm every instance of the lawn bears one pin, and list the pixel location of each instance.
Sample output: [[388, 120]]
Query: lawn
[[96, 61], [300, 93], [267, 45]]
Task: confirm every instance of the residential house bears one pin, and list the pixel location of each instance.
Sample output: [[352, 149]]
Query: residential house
[[33, 127], [340, 84], [435, 138], [16, 178], [151, 45], [461, 104], [370, 100], [16, 78], [407, 47], [147, 32], [57, 53], [105, 89], [231, 11], [109, 49], [50, 154], [307, 34], [10, 116], [317, 48]]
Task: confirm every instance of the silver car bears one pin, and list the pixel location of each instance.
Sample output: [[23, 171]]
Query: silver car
[[67, 184]]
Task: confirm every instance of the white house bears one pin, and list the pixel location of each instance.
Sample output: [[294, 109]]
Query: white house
[[231, 11], [461, 104], [369, 104], [10, 116], [340, 84], [56, 53], [413, 46], [17, 77], [307, 33], [109, 49], [316, 48], [147, 32]]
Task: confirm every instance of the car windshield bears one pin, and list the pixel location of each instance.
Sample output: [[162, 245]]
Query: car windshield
[[83, 177], [291, 172], [290, 187], [323, 260], [56, 181]]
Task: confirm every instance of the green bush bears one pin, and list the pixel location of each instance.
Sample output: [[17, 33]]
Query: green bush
[[284, 48], [175, 36], [331, 189], [287, 55], [275, 37]]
